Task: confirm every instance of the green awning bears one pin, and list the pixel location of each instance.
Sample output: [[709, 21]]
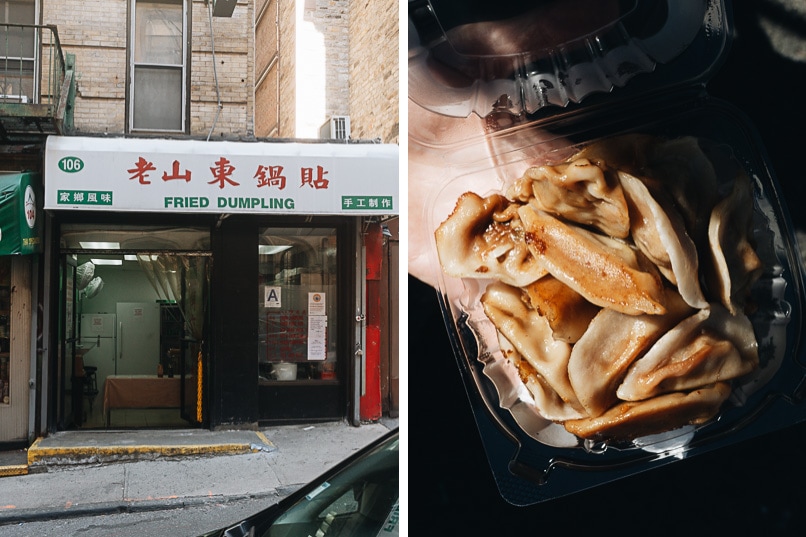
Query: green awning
[[20, 213]]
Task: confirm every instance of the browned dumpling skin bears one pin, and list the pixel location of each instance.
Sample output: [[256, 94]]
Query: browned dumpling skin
[[659, 231], [607, 272], [567, 312], [710, 346], [482, 238], [530, 334], [736, 266], [546, 399], [612, 342], [630, 420], [579, 192]]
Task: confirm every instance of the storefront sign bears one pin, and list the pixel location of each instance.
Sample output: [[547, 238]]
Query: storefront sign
[[158, 175], [20, 214]]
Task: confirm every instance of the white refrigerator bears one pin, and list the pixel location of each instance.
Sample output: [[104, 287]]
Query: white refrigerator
[[126, 342]]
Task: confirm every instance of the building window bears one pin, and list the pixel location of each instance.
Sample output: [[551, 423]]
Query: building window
[[297, 304], [17, 45], [158, 66]]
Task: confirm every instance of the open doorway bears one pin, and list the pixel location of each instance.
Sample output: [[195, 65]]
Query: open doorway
[[132, 344]]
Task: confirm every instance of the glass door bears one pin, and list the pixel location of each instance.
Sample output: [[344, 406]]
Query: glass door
[[297, 305]]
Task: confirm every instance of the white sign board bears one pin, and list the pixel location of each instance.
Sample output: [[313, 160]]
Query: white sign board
[[193, 176], [272, 297], [317, 337], [316, 304]]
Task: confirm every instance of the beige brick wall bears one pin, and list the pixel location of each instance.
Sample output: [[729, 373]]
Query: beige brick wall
[[287, 70], [267, 68], [96, 32], [374, 70]]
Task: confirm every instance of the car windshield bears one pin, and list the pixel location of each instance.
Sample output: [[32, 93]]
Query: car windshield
[[360, 501]]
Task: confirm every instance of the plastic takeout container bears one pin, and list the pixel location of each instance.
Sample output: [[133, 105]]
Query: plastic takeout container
[[534, 458]]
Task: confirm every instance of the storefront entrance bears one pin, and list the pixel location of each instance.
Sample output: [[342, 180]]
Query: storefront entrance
[[133, 325], [298, 323], [254, 252]]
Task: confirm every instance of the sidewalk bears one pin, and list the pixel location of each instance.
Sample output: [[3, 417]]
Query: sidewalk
[[81, 473]]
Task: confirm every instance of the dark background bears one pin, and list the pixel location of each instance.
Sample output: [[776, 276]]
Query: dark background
[[755, 487]]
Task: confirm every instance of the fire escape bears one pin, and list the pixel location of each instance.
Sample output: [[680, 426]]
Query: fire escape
[[37, 86]]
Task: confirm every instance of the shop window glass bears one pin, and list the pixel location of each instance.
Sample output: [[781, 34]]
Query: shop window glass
[[297, 304], [158, 66], [17, 51], [5, 329]]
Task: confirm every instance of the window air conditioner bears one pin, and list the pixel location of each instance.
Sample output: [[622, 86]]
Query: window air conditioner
[[13, 98], [336, 128]]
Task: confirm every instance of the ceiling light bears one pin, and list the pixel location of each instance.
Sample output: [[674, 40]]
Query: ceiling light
[[271, 249], [107, 261], [100, 245]]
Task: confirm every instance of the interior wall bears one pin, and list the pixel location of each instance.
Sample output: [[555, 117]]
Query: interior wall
[[121, 284]]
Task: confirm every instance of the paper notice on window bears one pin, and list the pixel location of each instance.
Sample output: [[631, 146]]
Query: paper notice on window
[[317, 337], [271, 297], [316, 304]]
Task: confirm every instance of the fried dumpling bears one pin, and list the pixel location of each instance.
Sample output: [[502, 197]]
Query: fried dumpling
[[530, 334], [612, 342], [567, 312], [659, 232], [710, 346], [736, 265], [630, 420], [480, 239], [578, 191], [545, 398], [688, 174], [606, 271], [628, 152]]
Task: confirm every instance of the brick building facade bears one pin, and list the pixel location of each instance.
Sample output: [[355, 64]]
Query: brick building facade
[[358, 75], [96, 33]]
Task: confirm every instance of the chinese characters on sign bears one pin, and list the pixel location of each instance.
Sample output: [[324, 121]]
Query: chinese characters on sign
[[224, 177], [266, 176], [285, 336], [366, 202]]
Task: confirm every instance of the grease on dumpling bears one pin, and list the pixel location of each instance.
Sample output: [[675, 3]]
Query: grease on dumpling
[[710, 346], [482, 239], [578, 191], [630, 420], [546, 399], [612, 342], [606, 271], [530, 334], [567, 312]]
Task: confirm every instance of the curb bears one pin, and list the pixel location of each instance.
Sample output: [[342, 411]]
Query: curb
[[13, 469], [131, 506], [40, 458]]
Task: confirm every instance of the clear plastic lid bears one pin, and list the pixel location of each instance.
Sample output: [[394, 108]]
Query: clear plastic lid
[[526, 57]]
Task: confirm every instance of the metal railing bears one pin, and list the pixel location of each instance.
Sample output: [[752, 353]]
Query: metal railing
[[32, 66]]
